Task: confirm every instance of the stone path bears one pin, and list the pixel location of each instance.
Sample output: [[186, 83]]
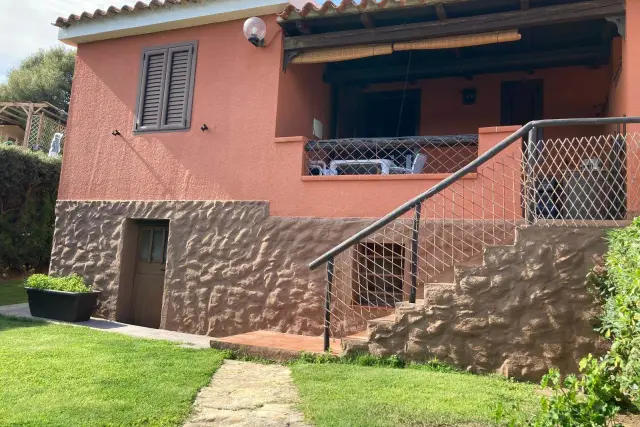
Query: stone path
[[243, 394], [188, 340]]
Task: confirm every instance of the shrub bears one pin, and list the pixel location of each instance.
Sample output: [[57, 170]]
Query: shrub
[[28, 191], [73, 283], [610, 383]]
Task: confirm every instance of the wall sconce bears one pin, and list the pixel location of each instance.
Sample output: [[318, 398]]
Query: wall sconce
[[255, 30], [468, 96], [116, 132], [204, 127]]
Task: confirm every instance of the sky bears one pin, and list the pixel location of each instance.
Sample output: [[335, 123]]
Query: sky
[[25, 26]]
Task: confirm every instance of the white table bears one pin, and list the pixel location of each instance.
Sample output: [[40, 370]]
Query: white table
[[383, 165]]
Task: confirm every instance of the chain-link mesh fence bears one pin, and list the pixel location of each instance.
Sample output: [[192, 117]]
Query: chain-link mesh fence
[[565, 182], [390, 156], [42, 131]]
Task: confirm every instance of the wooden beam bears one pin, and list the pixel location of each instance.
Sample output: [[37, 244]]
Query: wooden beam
[[367, 20], [440, 12], [10, 120], [591, 55], [25, 104], [12, 114], [556, 14], [27, 128], [303, 27]]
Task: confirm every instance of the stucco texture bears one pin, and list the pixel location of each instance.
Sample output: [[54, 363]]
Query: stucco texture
[[526, 308], [235, 93], [231, 267], [246, 100]]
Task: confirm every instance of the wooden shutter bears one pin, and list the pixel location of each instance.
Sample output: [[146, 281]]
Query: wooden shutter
[[178, 88], [152, 89], [166, 88]]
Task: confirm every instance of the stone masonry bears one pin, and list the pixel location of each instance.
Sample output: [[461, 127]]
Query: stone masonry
[[526, 308], [231, 268]]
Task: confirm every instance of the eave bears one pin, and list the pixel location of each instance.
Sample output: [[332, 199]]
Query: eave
[[125, 24]]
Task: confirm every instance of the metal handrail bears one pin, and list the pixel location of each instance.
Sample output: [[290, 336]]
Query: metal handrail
[[469, 168]]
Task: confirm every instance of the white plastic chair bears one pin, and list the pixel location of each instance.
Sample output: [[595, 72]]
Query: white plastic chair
[[418, 165]]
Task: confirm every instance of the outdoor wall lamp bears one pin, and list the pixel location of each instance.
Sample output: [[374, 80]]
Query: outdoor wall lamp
[[115, 132], [255, 30], [204, 127]]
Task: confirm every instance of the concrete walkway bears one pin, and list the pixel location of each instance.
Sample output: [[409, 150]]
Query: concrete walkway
[[244, 394], [188, 340]]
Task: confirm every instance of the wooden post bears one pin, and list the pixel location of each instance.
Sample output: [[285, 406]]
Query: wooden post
[[27, 128]]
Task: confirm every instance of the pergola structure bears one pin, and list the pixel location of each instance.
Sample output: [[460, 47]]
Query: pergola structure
[[371, 42], [40, 121]]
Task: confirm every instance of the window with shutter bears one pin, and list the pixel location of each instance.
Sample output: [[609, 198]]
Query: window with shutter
[[166, 88]]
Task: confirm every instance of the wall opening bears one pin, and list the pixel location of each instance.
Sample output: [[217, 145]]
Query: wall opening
[[143, 265]]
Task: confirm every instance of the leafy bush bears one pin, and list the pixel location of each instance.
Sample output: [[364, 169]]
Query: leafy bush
[[73, 283], [28, 191], [610, 383]]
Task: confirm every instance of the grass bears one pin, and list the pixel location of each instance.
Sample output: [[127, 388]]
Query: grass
[[12, 292], [348, 395], [59, 375]]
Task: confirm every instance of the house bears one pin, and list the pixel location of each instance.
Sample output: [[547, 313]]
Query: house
[[11, 133], [211, 157]]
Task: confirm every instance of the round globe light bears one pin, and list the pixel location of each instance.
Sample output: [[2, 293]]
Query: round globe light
[[255, 30]]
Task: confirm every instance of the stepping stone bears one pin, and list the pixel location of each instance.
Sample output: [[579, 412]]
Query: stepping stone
[[244, 394]]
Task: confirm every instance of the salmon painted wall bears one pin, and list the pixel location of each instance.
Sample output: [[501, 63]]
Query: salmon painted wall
[[617, 88], [565, 95], [236, 88], [248, 102], [630, 86], [376, 195], [302, 97]]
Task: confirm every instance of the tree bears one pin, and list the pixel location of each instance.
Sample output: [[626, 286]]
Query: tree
[[44, 76]]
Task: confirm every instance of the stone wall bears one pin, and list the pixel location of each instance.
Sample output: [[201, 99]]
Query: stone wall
[[525, 309], [231, 268]]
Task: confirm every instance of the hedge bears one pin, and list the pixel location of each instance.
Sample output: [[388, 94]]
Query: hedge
[[28, 191]]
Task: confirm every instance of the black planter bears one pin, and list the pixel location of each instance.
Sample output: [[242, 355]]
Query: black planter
[[59, 305]]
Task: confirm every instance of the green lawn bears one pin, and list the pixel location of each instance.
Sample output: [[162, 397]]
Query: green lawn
[[59, 375], [12, 292], [344, 395]]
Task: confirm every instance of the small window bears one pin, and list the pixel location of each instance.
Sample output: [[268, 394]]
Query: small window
[[379, 274], [152, 247], [165, 93]]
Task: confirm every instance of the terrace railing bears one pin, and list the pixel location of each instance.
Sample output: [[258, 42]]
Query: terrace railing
[[404, 155], [524, 180]]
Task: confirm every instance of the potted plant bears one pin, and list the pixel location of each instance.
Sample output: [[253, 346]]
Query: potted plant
[[60, 298]]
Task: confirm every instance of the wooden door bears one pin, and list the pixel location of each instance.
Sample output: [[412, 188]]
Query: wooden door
[[521, 102], [148, 282]]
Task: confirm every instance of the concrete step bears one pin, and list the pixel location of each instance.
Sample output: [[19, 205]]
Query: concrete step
[[355, 343]]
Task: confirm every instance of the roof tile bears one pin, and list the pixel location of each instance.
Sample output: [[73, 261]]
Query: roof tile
[[312, 10], [63, 22]]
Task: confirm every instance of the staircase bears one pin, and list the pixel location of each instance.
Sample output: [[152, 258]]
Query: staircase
[[520, 310], [473, 272]]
